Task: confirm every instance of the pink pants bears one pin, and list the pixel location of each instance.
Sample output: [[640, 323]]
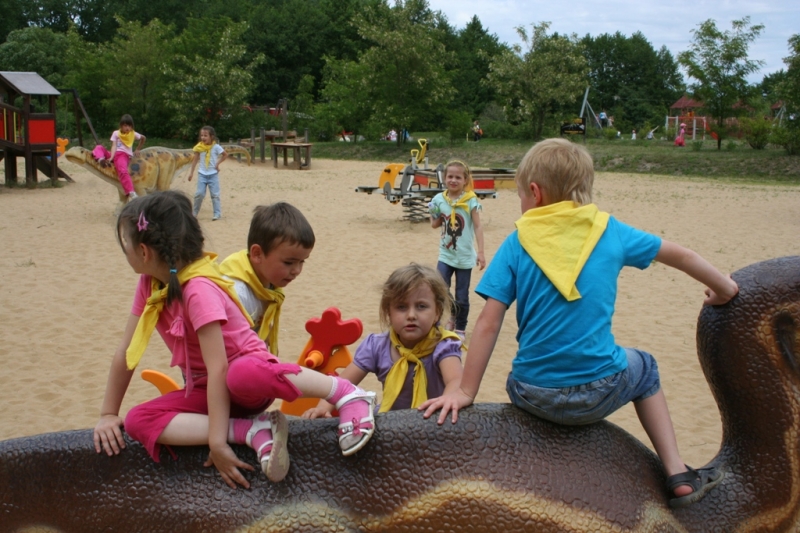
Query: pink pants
[[253, 382], [121, 160]]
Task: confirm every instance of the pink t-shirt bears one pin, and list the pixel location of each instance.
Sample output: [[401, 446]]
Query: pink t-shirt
[[116, 141], [203, 303]]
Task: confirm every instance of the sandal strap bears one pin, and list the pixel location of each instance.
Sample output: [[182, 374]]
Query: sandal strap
[[694, 478], [258, 425], [358, 394]]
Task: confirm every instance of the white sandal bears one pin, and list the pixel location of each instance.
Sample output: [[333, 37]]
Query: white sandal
[[273, 454], [355, 426]]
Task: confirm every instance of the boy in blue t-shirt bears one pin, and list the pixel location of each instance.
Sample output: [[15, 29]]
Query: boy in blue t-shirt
[[562, 265]]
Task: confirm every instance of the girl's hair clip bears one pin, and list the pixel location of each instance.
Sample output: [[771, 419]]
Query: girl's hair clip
[[173, 270], [143, 223]]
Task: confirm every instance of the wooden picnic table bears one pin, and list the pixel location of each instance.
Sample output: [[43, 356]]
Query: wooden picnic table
[[301, 154]]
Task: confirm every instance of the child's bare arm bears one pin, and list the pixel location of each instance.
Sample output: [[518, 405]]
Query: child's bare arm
[[142, 139], [476, 222], [721, 288], [351, 373], [484, 337], [437, 221], [223, 156], [451, 370], [195, 159]]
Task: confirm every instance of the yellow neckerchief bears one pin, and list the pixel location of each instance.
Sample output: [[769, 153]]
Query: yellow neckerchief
[[560, 238], [459, 202], [127, 138], [238, 266], [396, 377], [203, 147], [204, 267]]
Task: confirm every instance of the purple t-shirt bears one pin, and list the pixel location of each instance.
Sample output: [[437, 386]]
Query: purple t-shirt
[[374, 355]]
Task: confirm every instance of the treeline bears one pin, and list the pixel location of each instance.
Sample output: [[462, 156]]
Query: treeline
[[364, 66]]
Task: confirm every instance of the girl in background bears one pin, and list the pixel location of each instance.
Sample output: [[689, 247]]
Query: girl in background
[[210, 155], [121, 152]]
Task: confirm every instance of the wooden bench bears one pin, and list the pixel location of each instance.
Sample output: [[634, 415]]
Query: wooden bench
[[301, 154]]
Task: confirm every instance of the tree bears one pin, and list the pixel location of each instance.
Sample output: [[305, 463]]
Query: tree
[[35, 50], [718, 61], [531, 84], [787, 134], [475, 49]]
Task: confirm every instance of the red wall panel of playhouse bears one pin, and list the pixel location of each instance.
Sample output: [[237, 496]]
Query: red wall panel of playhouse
[[42, 131], [2, 125]]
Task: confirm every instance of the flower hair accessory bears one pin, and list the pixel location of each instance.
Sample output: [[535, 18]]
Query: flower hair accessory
[[142, 223]]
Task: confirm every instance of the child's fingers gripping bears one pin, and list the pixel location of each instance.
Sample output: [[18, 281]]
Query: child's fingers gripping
[[228, 465]]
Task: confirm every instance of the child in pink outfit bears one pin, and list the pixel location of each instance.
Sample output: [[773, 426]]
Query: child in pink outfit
[[230, 376], [121, 152]]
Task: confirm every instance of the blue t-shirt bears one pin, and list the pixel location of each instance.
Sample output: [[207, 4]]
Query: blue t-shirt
[[457, 245], [211, 168], [562, 343]]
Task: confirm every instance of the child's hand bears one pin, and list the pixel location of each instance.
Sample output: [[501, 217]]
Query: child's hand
[[447, 403], [190, 176], [228, 465], [481, 261], [317, 412], [712, 298], [107, 435]]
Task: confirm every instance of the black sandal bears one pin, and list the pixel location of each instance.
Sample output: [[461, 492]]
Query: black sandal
[[701, 480]]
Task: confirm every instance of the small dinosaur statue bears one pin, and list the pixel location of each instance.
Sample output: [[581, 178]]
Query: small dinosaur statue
[[152, 170]]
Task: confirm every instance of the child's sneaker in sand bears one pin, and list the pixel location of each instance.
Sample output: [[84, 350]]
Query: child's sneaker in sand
[[356, 420], [268, 437]]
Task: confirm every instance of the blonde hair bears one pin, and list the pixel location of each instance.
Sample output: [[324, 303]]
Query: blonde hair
[[562, 169], [467, 172], [408, 278]]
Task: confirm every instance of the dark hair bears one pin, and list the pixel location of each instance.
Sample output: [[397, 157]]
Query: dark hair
[[277, 223], [164, 222], [211, 131], [126, 120], [408, 278]]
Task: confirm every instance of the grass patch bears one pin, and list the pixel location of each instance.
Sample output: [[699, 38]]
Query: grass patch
[[638, 157]]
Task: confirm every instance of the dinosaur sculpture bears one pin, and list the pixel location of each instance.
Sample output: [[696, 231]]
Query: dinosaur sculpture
[[152, 170], [498, 469]]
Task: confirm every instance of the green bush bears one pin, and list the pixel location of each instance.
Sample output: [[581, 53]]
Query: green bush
[[610, 134], [787, 136], [730, 146], [756, 132], [697, 145], [458, 125]]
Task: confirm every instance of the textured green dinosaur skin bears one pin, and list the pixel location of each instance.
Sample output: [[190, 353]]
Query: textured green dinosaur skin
[[498, 469]]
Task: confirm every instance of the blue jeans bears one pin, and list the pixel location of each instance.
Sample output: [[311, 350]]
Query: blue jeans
[[460, 310], [212, 182], [584, 404]]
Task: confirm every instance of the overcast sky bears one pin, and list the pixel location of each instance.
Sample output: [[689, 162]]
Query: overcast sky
[[662, 22]]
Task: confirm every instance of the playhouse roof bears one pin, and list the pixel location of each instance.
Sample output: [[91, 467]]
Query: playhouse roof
[[28, 83], [685, 102]]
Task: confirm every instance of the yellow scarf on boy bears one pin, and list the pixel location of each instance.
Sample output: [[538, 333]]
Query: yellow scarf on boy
[[560, 238], [396, 377], [203, 147], [127, 138], [204, 267], [460, 202], [237, 266]]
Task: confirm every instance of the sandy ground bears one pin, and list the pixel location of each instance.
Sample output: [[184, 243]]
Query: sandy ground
[[66, 288]]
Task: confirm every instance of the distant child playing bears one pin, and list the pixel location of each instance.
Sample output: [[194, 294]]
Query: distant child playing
[[210, 155], [416, 359], [121, 152], [230, 375], [457, 212], [278, 243], [561, 265]]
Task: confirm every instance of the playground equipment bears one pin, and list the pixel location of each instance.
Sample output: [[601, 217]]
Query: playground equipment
[[417, 186], [326, 352], [577, 126], [26, 133]]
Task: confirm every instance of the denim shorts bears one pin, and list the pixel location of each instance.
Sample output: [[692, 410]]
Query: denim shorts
[[584, 404]]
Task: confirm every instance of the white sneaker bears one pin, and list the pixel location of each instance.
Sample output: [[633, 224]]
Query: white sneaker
[[132, 195]]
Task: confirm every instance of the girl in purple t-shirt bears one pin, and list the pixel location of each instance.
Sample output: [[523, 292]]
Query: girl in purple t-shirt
[[416, 358]]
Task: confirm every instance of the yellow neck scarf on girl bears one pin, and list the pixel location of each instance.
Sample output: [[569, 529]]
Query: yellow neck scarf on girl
[[203, 147], [560, 238], [397, 374], [237, 266], [460, 202], [127, 138], [204, 267]]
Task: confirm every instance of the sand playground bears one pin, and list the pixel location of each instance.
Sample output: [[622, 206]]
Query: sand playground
[[66, 288]]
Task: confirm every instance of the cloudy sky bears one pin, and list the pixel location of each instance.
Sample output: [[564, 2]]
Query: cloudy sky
[[662, 22]]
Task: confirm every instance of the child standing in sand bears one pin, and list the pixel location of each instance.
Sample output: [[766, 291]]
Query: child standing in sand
[[121, 152], [457, 212], [210, 155], [278, 243], [417, 358], [561, 266], [230, 376]]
